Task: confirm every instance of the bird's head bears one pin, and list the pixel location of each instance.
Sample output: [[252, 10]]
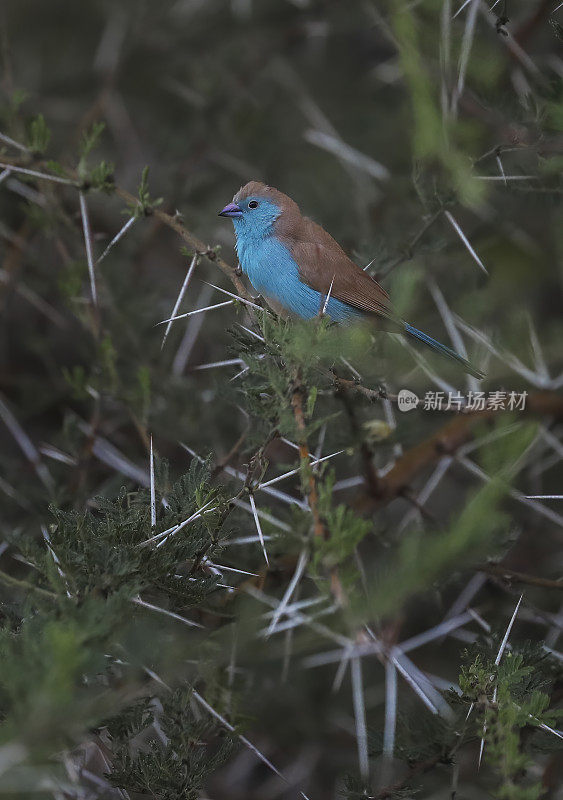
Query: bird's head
[[255, 209]]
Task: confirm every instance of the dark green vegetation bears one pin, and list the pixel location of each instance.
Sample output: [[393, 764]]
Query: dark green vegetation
[[147, 650]]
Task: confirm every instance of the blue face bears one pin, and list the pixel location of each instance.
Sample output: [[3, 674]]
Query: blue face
[[252, 217]]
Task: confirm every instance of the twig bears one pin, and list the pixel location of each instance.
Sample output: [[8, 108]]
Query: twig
[[381, 394], [366, 451], [34, 174], [25, 444], [173, 222], [449, 438], [418, 769], [195, 244], [8, 140], [409, 251], [9, 580], [297, 403], [243, 739], [520, 577]]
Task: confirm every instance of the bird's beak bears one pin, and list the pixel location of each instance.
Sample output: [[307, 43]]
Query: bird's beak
[[231, 210]]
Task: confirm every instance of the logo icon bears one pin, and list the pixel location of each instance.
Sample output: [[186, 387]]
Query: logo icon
[[407, 400]]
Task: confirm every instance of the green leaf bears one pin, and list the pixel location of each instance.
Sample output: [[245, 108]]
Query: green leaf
[[146, 204], [88, 142], [38, 136]]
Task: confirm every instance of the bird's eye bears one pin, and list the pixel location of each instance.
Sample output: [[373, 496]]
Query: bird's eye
[[253, 204]]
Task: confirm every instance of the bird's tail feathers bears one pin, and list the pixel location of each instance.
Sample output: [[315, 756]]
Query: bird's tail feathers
[[443, 349]]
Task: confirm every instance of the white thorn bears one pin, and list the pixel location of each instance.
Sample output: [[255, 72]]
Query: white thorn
[[197, 311], [236, 297], [153, 493], [507, 634], [323, 312], [301, 564], [465, 241], [390, 709], [360, 716], [180, 297], [118, 236], [88, 243], [258, 527]]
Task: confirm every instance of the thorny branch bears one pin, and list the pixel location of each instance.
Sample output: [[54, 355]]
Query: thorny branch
[[372, 479], [24, 586], [408, 252], [448, 439], [195, 244], [173, 222], [418, 769], [297, 403], [298, 400], [512, 575]]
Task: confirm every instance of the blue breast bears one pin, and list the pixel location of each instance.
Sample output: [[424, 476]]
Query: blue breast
[[273, 272]]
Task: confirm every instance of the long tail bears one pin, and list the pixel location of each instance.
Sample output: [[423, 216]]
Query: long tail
[[441, 348]]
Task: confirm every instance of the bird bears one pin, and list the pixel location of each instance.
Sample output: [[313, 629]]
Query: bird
[[302, 271]]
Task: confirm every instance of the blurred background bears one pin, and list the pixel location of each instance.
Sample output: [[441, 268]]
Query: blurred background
[[427, 137]]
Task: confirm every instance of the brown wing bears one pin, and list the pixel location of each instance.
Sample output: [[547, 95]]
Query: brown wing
[[322, 261]]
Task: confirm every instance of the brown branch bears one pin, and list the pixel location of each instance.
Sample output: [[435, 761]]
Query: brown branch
[[319, 528], [170, 221], [529, 26], [448, 439], [366, 451], [408, 253], [381, 394], [297, 403], [9, 580], [416, 769], [192, 241], [369, 394], [445, 441], [422, 510], [520, 577], [222, 462]]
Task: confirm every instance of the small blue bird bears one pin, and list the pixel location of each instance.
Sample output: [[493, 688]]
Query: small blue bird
[[295, 264]]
